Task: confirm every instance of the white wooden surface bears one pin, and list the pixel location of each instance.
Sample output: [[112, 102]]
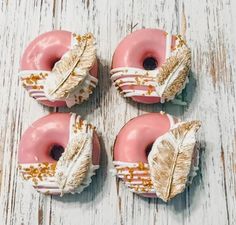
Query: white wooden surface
[[211, 33]]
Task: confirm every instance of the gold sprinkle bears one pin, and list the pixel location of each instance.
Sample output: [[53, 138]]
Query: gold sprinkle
[[36, 173]]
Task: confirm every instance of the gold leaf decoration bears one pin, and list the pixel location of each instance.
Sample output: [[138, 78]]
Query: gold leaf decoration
[[174, 72], [74, 164], [71, 70], [170, 159], [166, 69]]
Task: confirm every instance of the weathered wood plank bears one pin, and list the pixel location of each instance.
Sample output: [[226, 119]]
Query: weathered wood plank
[[23, 20], [211, 33]]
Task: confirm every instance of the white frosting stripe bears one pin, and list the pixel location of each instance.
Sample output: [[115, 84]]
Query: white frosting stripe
[[127, 71], [77, 124], [132, 92], [135, 176], [168, 45], [128, 81], [171, 119], [35, 80], [35, 86], [121, 164]]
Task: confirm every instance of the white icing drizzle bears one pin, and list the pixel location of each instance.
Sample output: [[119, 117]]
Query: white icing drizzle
[[45, 179], [135, 176], [126, 78], [125, 71], [171, 119], [35, 80], [168, 44]]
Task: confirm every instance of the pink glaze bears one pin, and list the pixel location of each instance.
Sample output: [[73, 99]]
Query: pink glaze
[[44, 51], [138, 135], [53, 129], [135, 48]]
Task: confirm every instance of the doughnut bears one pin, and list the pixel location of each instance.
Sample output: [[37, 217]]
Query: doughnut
[[155, 155], [151, 66], [59, 68], [59, 154]]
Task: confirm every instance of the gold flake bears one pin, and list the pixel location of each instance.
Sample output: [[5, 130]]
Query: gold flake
[[146, 183], [38, 172], [150, 89], [33, 78]]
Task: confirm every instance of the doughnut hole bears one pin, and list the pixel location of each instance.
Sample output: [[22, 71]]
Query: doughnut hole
[[148, 149], [53, 61], [150, 63], [56, 151]]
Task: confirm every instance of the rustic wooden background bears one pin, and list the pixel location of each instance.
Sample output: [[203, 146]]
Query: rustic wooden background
[[211, 94]]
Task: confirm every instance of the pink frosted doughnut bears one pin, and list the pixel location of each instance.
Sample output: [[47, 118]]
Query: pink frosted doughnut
[[42, 145], [40, 57], [135, 139], [156, 156], [138, 64]]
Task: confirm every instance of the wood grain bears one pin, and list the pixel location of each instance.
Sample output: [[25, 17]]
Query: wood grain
[[211, 94]]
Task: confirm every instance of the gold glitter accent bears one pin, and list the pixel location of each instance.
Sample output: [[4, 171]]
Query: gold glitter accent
[[177, 83], [90, 89], [185, 127], [166, 69], [33, 79], [181, 41], [78, 38], [137, 80], [38, 172], [85, 37], [79, 125], [182, 59], [146, 183], [118, 83], [150, 90]]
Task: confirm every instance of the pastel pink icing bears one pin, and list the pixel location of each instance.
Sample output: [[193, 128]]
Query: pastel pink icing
[[44, 51], [138, 135], [135, 139], [135, 48], [38, 139]]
